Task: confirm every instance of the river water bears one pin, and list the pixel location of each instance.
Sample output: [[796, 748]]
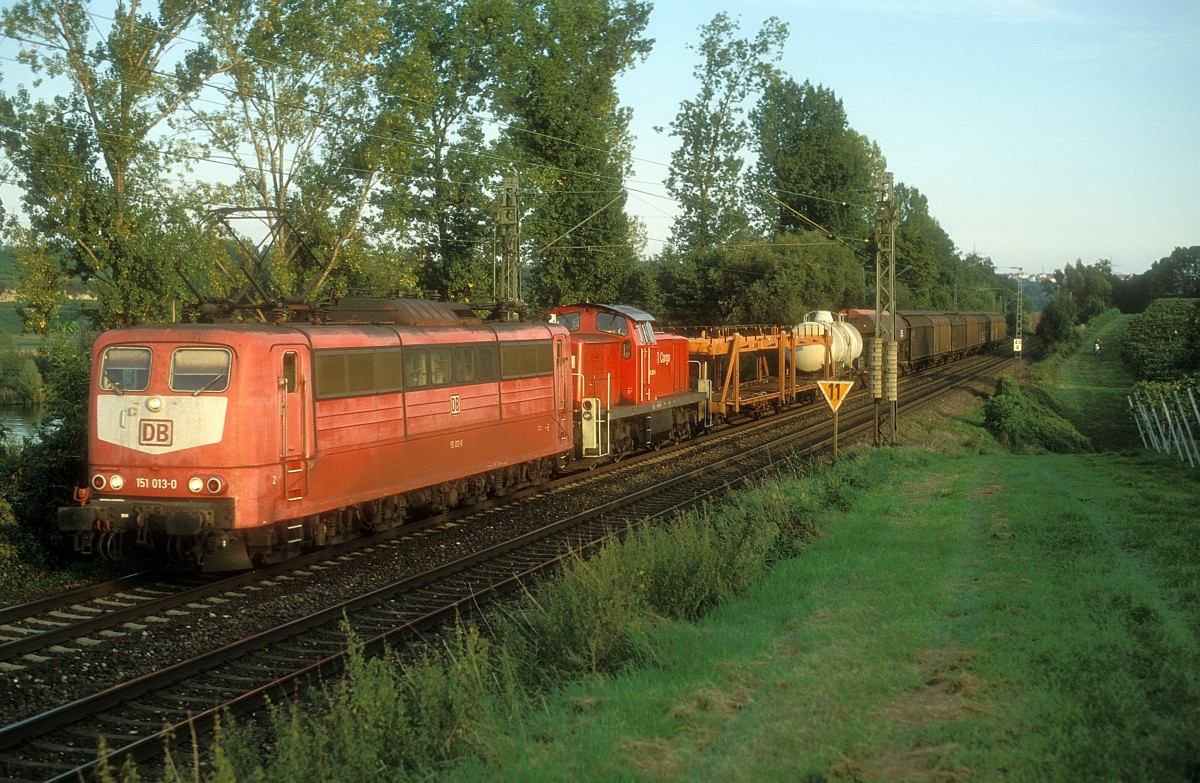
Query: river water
[[18, 423]]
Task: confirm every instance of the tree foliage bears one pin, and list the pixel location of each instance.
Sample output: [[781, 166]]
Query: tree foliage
[[923, 250], [89, 161], [813, 171], [706, 170], [1176, 275], [1056, 327], [1090, 287], [435, 86], [293, 126], [775, 283], [570, 135]]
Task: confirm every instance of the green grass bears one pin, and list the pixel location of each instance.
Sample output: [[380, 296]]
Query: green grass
[[978, 620], [1091, 390]]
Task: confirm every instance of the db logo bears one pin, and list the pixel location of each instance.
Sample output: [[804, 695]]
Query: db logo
[[156, 432]]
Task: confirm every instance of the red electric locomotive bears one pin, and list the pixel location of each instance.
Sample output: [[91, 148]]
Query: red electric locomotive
[[228, 444], [631, 384]]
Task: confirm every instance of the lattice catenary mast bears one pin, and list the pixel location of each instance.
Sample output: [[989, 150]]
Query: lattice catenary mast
[[884, 355]]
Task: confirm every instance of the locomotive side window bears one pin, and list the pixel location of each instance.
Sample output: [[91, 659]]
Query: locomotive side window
[[380, 371], [329, 374], [356, 373], [360, 373], [416, 368], [198, 370], [569, 320], [526, 360], [125, 369], [439, 366], [389, 371], [611, 323], [487, 361]]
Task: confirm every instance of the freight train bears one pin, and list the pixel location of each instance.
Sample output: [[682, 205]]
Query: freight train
[[225, 445]]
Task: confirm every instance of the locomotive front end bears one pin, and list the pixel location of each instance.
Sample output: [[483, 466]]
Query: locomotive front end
[[160, 462]]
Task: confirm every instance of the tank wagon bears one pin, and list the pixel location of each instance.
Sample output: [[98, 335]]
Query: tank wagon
[[845, 342]]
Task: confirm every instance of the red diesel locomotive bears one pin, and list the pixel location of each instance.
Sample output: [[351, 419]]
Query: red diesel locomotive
[[630, 384], [225, 445]]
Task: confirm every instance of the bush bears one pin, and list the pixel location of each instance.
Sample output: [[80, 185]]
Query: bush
[[1056, 326], [1163, 343], [1024, 425], [20, 381]]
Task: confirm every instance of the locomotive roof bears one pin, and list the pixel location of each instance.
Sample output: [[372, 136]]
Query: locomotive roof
[[405, 312], [625, 310]]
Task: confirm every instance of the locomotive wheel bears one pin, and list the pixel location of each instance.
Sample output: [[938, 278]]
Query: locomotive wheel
[[110, 546]]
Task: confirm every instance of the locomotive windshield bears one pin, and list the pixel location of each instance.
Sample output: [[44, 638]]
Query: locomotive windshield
[[569, 320], [125, 369], [611, 323], [199, 370]]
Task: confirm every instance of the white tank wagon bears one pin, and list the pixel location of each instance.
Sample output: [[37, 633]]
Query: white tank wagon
[[845, 343]]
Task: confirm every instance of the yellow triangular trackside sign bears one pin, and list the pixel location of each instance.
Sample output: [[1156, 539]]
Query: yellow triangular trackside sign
[[835, 392]]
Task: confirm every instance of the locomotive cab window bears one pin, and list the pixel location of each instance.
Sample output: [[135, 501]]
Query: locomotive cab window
[[125, 369], [199, 370], [569, 320], [646, 332], [611, 323]]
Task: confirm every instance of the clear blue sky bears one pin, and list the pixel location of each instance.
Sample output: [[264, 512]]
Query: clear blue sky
[[1041, 131]]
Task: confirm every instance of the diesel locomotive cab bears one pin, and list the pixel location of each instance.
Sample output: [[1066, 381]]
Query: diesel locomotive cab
[[631, 384]]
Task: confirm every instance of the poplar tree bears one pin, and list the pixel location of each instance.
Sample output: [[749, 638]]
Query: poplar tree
[[706, 170], [440, 171], [568, 140], [294, 126], [813, 172]]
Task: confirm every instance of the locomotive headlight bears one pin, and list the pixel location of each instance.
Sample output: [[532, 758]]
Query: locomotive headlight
[[117, 482], [215, 485], [154, 404], [195, 484], [99, 482]]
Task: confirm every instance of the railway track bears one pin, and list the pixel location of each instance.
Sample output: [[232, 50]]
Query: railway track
[[60, 743]]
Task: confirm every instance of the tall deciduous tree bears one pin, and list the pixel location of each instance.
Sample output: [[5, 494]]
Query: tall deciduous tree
[[294, 126], [1090, 287], [813, 169], [436, 83], [923, 249], [569, 138], [91, 161], [706, 170]]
